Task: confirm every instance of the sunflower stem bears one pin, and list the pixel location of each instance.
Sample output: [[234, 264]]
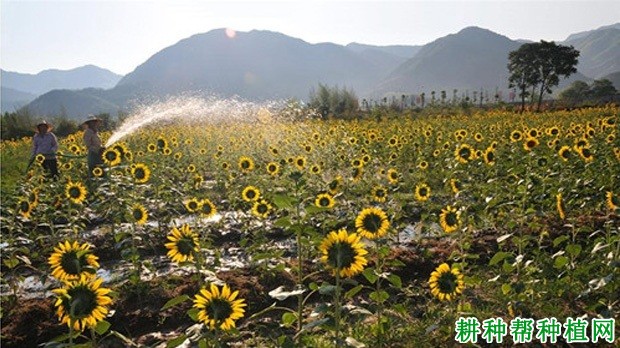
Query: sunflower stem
[[337, 299], [379, 304]]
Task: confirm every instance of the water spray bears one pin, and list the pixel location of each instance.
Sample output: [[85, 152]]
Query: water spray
[[194, 110]]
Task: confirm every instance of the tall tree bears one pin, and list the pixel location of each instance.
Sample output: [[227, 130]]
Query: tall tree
[[523, 73], [602, 88], [554, 61], [539, 66]]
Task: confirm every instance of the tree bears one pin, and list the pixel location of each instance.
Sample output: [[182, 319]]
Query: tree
[[554, 61], [522, 67], [602, 88], [540, 65], [333, 101], [576, 93]]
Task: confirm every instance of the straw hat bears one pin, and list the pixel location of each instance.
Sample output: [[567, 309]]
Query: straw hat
[[44, 123], [91, 118]]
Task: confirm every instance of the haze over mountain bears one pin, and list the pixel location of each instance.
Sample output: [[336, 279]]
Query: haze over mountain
[[599, 51], [18, 89], [260, 65]]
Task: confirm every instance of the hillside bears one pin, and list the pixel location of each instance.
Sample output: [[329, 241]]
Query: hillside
[[600, 51]]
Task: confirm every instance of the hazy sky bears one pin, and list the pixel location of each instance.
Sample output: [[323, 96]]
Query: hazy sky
[[120, 35]]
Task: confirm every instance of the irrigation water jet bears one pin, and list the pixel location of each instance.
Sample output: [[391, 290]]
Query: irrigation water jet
[[195, 110]]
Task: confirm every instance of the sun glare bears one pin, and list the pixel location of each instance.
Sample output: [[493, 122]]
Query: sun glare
[[231, 33]]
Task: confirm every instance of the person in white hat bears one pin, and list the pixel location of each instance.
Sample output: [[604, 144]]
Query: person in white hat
[[93, 143], [45, 143]]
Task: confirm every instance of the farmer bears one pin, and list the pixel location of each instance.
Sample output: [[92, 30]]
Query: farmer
[[45, 143], [93, 143]]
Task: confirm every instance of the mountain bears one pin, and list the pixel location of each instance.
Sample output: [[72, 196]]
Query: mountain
[[47, 80], [471, 59], [614, 78], [75, 104], [599, 51], [12, 99], [253, 65], [402, 51], [583, 34]]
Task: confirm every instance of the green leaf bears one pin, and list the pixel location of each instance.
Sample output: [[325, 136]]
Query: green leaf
[[395, 280], [176, 342], [506, 288], [498, 257], [559, 240], [327, 289], [288, 319], [353, 291], [283, 222], [379, 296], [313, 209], [315, 324], [11, 263], [573, 249], [102, 327], [283, 201], [370, 275], [202, 343], [193, 313], [175, 301], [313, 286], [560, 261]]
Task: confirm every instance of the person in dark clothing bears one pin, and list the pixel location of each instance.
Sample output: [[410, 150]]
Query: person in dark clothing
[[45, 143]]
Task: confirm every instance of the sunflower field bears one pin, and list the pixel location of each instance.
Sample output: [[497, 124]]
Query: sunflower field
[[376, 232]]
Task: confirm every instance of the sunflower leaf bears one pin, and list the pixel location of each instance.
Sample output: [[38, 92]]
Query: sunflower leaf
[[175, 301], [283, 201], [353, 291], [193, 313], [102, 327], [370, 275], [176, 342], [499, 257]]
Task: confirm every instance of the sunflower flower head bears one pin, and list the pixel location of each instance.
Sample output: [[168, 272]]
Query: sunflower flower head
[[76, 192], [343, 253], [82, 303], [182, 245], [219, 308], [372, 223], [449, 219], [446, 282], [70, 261]]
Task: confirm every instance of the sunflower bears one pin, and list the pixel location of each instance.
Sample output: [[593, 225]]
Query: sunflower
[[379, 194], [357, 173], [516, 136], [530, 143], [67, 166], [564, 153], [191, 168], [139, 214], [372, 223], [449, 219], [250, 194], [70, 261], [183, 244], [273, 168], [151, 147], [300, 162], [39, 158], [335, 185], [455, 185], [422, 192], [111, 157], [586, 154], [246, 164], [24, 208], [357, 163], [208, 208], [559, 203], [141, 173], [613, 202], [192, 205], [423, 165], [166, 151], [393, 176], [446, 283], [315, 169], [489, 156], [76, 192], [464, 153], [344, 253], [219, 308], [261, 208], [324, 200], [82, 303]]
